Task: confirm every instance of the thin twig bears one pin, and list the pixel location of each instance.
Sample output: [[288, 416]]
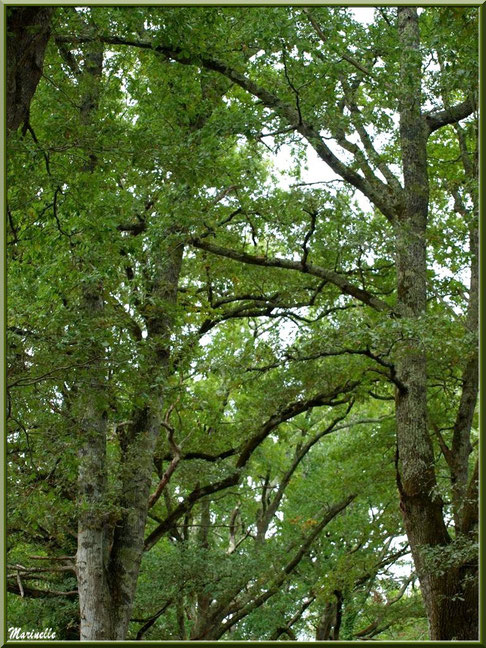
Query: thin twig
[[19, 582]]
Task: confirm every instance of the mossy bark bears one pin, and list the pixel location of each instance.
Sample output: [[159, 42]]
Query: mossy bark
[[451, 605]]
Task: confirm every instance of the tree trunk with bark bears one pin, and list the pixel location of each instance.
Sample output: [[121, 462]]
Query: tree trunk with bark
[[94, 594], [329, 625], [110, 547], [451, 608], [326, 622], [28, 31], [96, 618]]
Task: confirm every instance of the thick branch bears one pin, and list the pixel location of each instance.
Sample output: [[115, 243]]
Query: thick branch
[[187, 504], [150, 622], [289, 412], [449, 116], [329, 275]]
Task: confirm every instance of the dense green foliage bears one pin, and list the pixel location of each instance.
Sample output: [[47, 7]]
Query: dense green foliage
[[273, 383]]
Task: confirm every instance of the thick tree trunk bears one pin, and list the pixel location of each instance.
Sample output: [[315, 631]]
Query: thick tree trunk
[[96, 613], [326, 622], [28, 30], [117, 575], [128, 544], [339, 614], [94, 594], [329, 625], [127, 551], [450, 610], [92, 551]]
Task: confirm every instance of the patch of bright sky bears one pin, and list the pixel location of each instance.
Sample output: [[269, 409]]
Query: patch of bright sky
[[364, 15]]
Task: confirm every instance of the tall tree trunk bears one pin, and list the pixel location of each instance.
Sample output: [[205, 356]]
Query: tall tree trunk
[[109, 557], [28, 31], [461, 439], [96, 618], [339, 614], [91, 557], [109, 554], [448, 606], [128, 542], [459, 454], [115, 568]]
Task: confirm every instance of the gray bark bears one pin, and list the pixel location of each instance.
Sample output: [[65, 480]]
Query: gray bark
[[109, 557], [203, 598], [461, 440], [96, 620], [92, 548]]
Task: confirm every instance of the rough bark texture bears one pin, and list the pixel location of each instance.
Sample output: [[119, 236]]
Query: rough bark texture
[[128, 544], [109, 557], [28, 30], [96, 620], [92, 548], [451, 608]]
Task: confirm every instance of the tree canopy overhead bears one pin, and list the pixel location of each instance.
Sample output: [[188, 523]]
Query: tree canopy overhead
[[241, 402]]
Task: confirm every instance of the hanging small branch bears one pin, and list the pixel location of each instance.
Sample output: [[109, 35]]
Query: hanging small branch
[[176, 452], [294, 89], [310, 232]]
